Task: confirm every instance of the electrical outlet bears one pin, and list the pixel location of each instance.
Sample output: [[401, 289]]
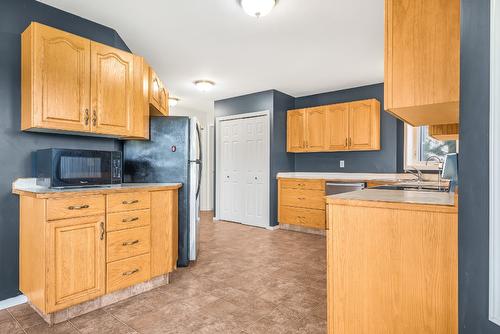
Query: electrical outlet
[[342, 164]]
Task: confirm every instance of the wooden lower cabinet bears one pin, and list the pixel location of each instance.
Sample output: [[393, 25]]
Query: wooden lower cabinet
[[75, 261], [76, 248], [392, 268], [302, 202]]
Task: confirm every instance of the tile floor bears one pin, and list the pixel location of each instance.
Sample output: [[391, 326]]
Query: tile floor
[[247, 280]]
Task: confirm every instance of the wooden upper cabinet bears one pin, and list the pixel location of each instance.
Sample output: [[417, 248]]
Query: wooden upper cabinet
[[75, 261], [350, 126], [337, 127], [55, 80], [422, 60], [112, 90], [72, 84], [364, 125], [158, 95], [296, 120], [315, 128]]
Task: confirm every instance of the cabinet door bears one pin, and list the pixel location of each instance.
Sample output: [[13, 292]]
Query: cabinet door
[[154, 90], [295, 132], [75, 261], [61, 79], [112, 90], [364, 125], [164, 101], [337, 127], [315, 129]]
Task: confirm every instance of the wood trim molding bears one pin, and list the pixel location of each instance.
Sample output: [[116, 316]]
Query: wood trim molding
[[494, 256]]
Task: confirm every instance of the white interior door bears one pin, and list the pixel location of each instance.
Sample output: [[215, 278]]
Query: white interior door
[[230, 157], [243, 162], [256, 166]]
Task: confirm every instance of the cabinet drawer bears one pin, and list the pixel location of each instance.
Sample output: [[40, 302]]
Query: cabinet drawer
[[303, 184], [71, 207], [303, 217], [124, 273], [126, 243], [128, 201], [302, 198], [128, 219]]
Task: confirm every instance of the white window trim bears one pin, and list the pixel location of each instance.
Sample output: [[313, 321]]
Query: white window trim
[[412, 151], [494, 256]]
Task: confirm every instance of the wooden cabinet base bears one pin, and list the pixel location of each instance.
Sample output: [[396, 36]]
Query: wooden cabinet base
[[103, 301]]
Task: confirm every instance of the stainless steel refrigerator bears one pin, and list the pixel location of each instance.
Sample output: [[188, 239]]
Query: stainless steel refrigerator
[[173, 154]]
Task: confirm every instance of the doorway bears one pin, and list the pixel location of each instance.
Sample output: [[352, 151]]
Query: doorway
[[243, 168]]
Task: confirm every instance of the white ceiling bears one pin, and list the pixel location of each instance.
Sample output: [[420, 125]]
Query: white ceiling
[[303, 47]]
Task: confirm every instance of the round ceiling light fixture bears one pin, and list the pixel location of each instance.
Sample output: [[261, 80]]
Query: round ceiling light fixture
[[258, 8], [172, 101], [204, 85]]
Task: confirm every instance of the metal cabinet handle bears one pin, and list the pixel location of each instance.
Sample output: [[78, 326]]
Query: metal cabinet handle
[[128, 220], [350, 141], [131, 202], [78, 207], [346, 142], [102, 231], [86, 117], [130, 243], [94, 118], [301, 198], [131, 272]]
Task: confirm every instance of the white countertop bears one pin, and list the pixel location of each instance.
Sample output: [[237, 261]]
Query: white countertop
[[29, 185], [348, 176], [399, 196]]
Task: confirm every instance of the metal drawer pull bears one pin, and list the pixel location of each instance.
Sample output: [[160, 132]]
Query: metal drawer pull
[[131, 202], [78, 207], [130, 243], [301, 198], [128, 220], [102, 231], [131, 272]]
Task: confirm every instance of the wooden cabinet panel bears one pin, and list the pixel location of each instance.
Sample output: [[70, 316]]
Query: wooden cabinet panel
[[422, 60], [364, 125], [155, 88], [128, 219], [164, 101], [444, 131], [312, 199], [337, 127], [140, 112], [127, 272], [303, 217], [315, 129], [55, 80], [303, 184], [296, 130], [70, 207], [75, 261], [164, 232], [112, 90], [128, 201], [126, 243]]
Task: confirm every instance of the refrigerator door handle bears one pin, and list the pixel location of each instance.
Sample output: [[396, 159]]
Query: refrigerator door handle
[[199, 160]]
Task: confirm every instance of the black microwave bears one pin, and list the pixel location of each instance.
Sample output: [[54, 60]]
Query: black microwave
[[64, 168]]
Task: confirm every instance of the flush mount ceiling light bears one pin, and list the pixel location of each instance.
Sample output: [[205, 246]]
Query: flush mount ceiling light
[[204, 85], [258, 8], [172, 101]]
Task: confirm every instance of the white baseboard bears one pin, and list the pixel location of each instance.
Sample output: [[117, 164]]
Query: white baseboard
[[13, 301], [273, 228]]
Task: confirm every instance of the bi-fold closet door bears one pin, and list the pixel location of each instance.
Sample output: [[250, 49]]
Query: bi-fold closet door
[[244, 170]]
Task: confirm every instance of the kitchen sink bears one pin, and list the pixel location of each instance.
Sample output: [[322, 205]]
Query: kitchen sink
[[414, 187]]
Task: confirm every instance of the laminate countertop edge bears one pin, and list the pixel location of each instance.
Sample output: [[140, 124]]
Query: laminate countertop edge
[[26, 187]]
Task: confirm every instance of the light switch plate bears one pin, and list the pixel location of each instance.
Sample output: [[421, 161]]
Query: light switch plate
[[342, 164]]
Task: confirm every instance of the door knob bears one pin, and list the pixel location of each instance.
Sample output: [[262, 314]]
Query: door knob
[[255, 177]]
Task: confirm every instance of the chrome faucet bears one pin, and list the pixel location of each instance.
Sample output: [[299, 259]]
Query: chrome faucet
[[440, 168], [416, 172]]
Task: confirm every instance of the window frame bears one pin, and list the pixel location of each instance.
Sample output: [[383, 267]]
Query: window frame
[[411, 159]]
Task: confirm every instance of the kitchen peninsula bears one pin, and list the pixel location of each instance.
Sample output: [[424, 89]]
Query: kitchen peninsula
[[84, 248]]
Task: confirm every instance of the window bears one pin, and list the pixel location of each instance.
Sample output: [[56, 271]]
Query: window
[[419, 147]]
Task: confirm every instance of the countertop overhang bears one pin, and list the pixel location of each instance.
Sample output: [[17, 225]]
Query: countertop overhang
[[389, 177], [28, 187]]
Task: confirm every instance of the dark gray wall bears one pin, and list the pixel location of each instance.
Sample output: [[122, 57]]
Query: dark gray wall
[[473, 161], [16, 146], [383, 161], [277, 103]]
